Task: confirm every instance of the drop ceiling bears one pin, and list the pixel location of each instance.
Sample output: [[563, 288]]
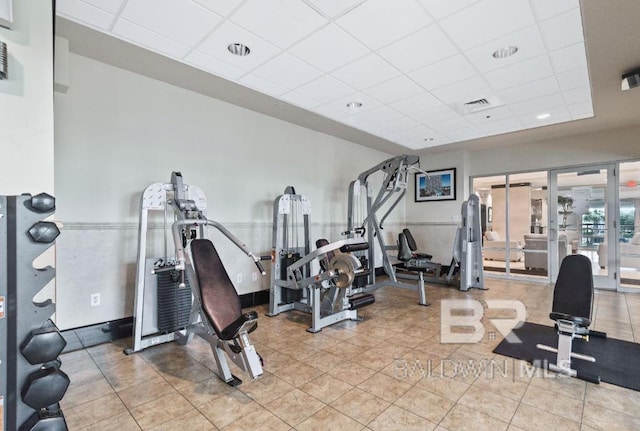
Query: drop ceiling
[[421, 71]]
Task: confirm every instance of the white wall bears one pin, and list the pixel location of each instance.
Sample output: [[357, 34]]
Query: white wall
[[26, 101], [117, 132]]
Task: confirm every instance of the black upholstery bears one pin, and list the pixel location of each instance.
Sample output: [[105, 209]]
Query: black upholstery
[[573, 292], [220, 301], [329, 255], [405, 239]]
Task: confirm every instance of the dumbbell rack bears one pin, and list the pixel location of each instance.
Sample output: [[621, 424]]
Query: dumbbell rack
[[31, 382]]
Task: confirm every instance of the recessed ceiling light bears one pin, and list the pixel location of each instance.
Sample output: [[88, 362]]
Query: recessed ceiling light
[[543, 116], [505, 52], [354, 105], [238, 49]]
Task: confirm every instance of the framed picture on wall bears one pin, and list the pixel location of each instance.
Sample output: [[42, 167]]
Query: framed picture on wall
[[436, 185]]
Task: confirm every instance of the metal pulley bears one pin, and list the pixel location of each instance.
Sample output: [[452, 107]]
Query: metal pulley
[[345, 265]]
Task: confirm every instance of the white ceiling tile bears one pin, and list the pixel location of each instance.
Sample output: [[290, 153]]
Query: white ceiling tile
[[573, 78], [559, 114], [262, 85], [445, 72], [537, 106], [325, 89], [221, 7], [396, 89], [505, 125], [329, 48], [545, 9], [577, 95], [165, 17], [399, 124], [465, 134], [529, 90], [366, 126], [282, 22], [487, 20], [148, 39], [379, 114], [529, 70], [443, 127], [367, 103], [366, 72], [434, 116], [377, 23], [87, 14], [568, 58], [418, 103], [464, 91], [213, 65], [528, 41], [217, 42], [111, 6], [329, 112], [421, 48], [442, 8], [287, 71], [494, 114], [563, 30], [299, 100], [333, 8], [580, 111]]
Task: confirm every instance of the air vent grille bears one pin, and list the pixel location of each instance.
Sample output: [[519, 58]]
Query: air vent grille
[[3, 60], [477, 105]]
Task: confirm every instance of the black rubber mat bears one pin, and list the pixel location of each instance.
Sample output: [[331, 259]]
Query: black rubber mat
[[617, 361]]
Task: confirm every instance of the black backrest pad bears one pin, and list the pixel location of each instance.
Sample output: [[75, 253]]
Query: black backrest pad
[[220, 301], [410, 240], [573, 293], [321, 243]]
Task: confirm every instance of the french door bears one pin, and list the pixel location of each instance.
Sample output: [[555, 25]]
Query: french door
[[582, 219]]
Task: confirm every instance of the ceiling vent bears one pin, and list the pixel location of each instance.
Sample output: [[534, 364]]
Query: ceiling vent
[[477, 105]]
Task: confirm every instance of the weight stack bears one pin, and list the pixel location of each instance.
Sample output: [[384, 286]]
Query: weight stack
[[174, 303], [31, 382]]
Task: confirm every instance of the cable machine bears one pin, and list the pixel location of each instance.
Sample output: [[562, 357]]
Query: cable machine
[[330, 293], [191, 293]]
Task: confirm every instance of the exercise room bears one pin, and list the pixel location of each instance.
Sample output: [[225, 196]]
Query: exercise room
[[319, 215]]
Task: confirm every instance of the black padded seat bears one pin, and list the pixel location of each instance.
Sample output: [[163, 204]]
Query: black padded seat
[[220, 301], [573, 292], [411, 242]]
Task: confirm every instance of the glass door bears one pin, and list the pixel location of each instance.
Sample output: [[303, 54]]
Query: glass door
[[629, 227], [582, 214]]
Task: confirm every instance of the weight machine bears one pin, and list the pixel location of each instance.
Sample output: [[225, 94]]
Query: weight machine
[[329, 293], [191, 293], [363, 219]]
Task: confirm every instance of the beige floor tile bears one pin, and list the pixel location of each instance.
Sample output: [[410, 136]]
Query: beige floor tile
[[161, 410], [88, 391], [395, 418], [559, 384], [82, 376], [295, 406], [326, 388], [490, 403], [614, 398], [265, 389], [352, 373], [276, 361], [425, 404], [128, 372], [374, 359], [190, 421], [605, 419], [505, 386], [87, 414], [298, 373], [122, 422], [385, 387], [360, 405], [323, 360], [260, 419], [448, 388], [554, 402], [299, 351], [199, 393], [142, 393], [461, 418], [532, 419], [227, 408], [328, 418]]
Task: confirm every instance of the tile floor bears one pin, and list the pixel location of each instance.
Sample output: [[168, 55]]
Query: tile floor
[[387, 372]]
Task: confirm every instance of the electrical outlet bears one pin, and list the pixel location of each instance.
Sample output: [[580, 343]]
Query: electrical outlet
[[95, 299], [239, 278], [254, 276]]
